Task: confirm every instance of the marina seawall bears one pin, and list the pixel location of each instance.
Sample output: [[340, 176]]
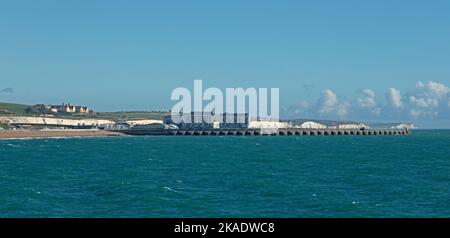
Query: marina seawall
[[262, 132]]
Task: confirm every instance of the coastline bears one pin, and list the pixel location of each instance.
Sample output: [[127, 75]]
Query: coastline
[[18, 134]]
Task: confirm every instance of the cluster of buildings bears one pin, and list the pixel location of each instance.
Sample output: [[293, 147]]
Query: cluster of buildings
[[67, 108], [63, 108]]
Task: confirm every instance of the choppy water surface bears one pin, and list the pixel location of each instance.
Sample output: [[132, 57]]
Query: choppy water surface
[[278, 176]]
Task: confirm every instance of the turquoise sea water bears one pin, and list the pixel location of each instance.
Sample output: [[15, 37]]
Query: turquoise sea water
[[279, 176]]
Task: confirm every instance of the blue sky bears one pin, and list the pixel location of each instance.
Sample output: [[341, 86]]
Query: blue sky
[[130, 55]]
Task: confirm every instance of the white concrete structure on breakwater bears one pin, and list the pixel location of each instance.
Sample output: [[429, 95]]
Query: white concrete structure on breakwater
[[143, 122], [311, 125], [50, 121], [267, 124], [352, 126]]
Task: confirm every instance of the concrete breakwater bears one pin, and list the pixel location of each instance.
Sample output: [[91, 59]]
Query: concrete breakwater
[[259, 132]]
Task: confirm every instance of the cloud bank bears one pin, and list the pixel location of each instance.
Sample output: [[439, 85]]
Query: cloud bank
[[429, 100]]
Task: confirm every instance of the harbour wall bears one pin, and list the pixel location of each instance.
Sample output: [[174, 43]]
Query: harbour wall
[[259, 132]]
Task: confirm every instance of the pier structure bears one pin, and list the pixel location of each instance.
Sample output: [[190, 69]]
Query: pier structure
[[259, 132]]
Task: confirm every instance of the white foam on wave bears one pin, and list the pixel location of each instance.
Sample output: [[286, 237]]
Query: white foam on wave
[[12, 145], [169, 189]]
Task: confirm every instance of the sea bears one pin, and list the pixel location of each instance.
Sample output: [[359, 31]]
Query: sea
[[227, 176]]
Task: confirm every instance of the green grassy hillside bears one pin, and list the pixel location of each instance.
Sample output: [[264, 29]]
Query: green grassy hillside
[[12, 108]]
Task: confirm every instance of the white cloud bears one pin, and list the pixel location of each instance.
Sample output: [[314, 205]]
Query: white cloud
[[423, 102], [429, 99], [368, 102], [329, 104], [342, 109], [415, 113], [394, 98], [437, 90]]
